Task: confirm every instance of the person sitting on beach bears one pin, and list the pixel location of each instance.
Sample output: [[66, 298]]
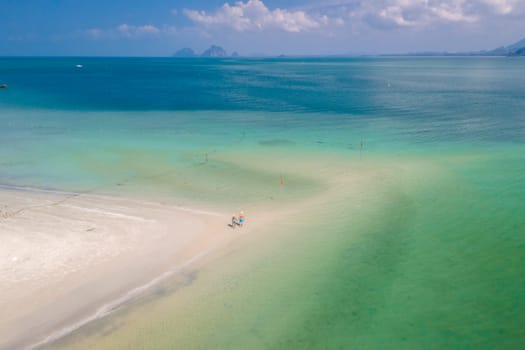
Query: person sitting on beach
[[241, 218], [235, 221]]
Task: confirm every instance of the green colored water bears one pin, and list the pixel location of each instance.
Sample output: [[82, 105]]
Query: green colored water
[[398, 253]]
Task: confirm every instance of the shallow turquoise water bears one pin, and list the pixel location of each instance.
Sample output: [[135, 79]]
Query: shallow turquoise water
[[53, 113], [442, 268]]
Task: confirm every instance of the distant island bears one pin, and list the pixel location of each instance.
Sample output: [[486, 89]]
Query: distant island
[[185, 52], [516, 49], [212, 51]]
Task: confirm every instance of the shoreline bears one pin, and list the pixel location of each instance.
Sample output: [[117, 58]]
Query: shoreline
[[132, 294], [277, 234], [203, 232], [117, 304], [47, 265]]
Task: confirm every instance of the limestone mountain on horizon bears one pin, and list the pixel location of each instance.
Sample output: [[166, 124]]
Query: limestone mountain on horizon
[[516, 49], [215, 51], [519, 52], [212, 51], [185, 52]]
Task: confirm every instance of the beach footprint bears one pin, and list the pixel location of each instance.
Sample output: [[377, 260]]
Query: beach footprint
[[5, 213]]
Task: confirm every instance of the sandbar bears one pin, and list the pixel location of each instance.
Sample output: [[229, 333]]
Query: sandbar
[[69, 258]]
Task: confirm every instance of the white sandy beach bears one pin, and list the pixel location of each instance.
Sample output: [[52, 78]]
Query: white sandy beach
[[67, 258]]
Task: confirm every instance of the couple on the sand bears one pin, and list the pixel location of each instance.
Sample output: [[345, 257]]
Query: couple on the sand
[[238, 221]]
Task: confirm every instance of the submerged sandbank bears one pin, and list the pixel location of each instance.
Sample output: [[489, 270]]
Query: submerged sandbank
[[78, 257], [252, 292], [376, 252], [383, 253]]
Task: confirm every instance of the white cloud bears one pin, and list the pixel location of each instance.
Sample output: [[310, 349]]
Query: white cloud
[[419, 13], [129, 31], [505, 7], [396, 15], [254, 15], [452, 12], [137, 31], [94, 33]]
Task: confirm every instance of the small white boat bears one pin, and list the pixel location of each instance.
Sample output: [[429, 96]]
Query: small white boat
[[79, 66]]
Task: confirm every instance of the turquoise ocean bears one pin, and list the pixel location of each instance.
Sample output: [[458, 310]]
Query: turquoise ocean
[[438, 265]]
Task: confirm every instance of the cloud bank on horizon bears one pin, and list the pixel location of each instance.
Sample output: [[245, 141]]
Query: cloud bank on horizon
[[325, 26], [255, 15]]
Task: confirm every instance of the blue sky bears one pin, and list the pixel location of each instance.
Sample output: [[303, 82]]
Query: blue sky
[[161, 27]]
